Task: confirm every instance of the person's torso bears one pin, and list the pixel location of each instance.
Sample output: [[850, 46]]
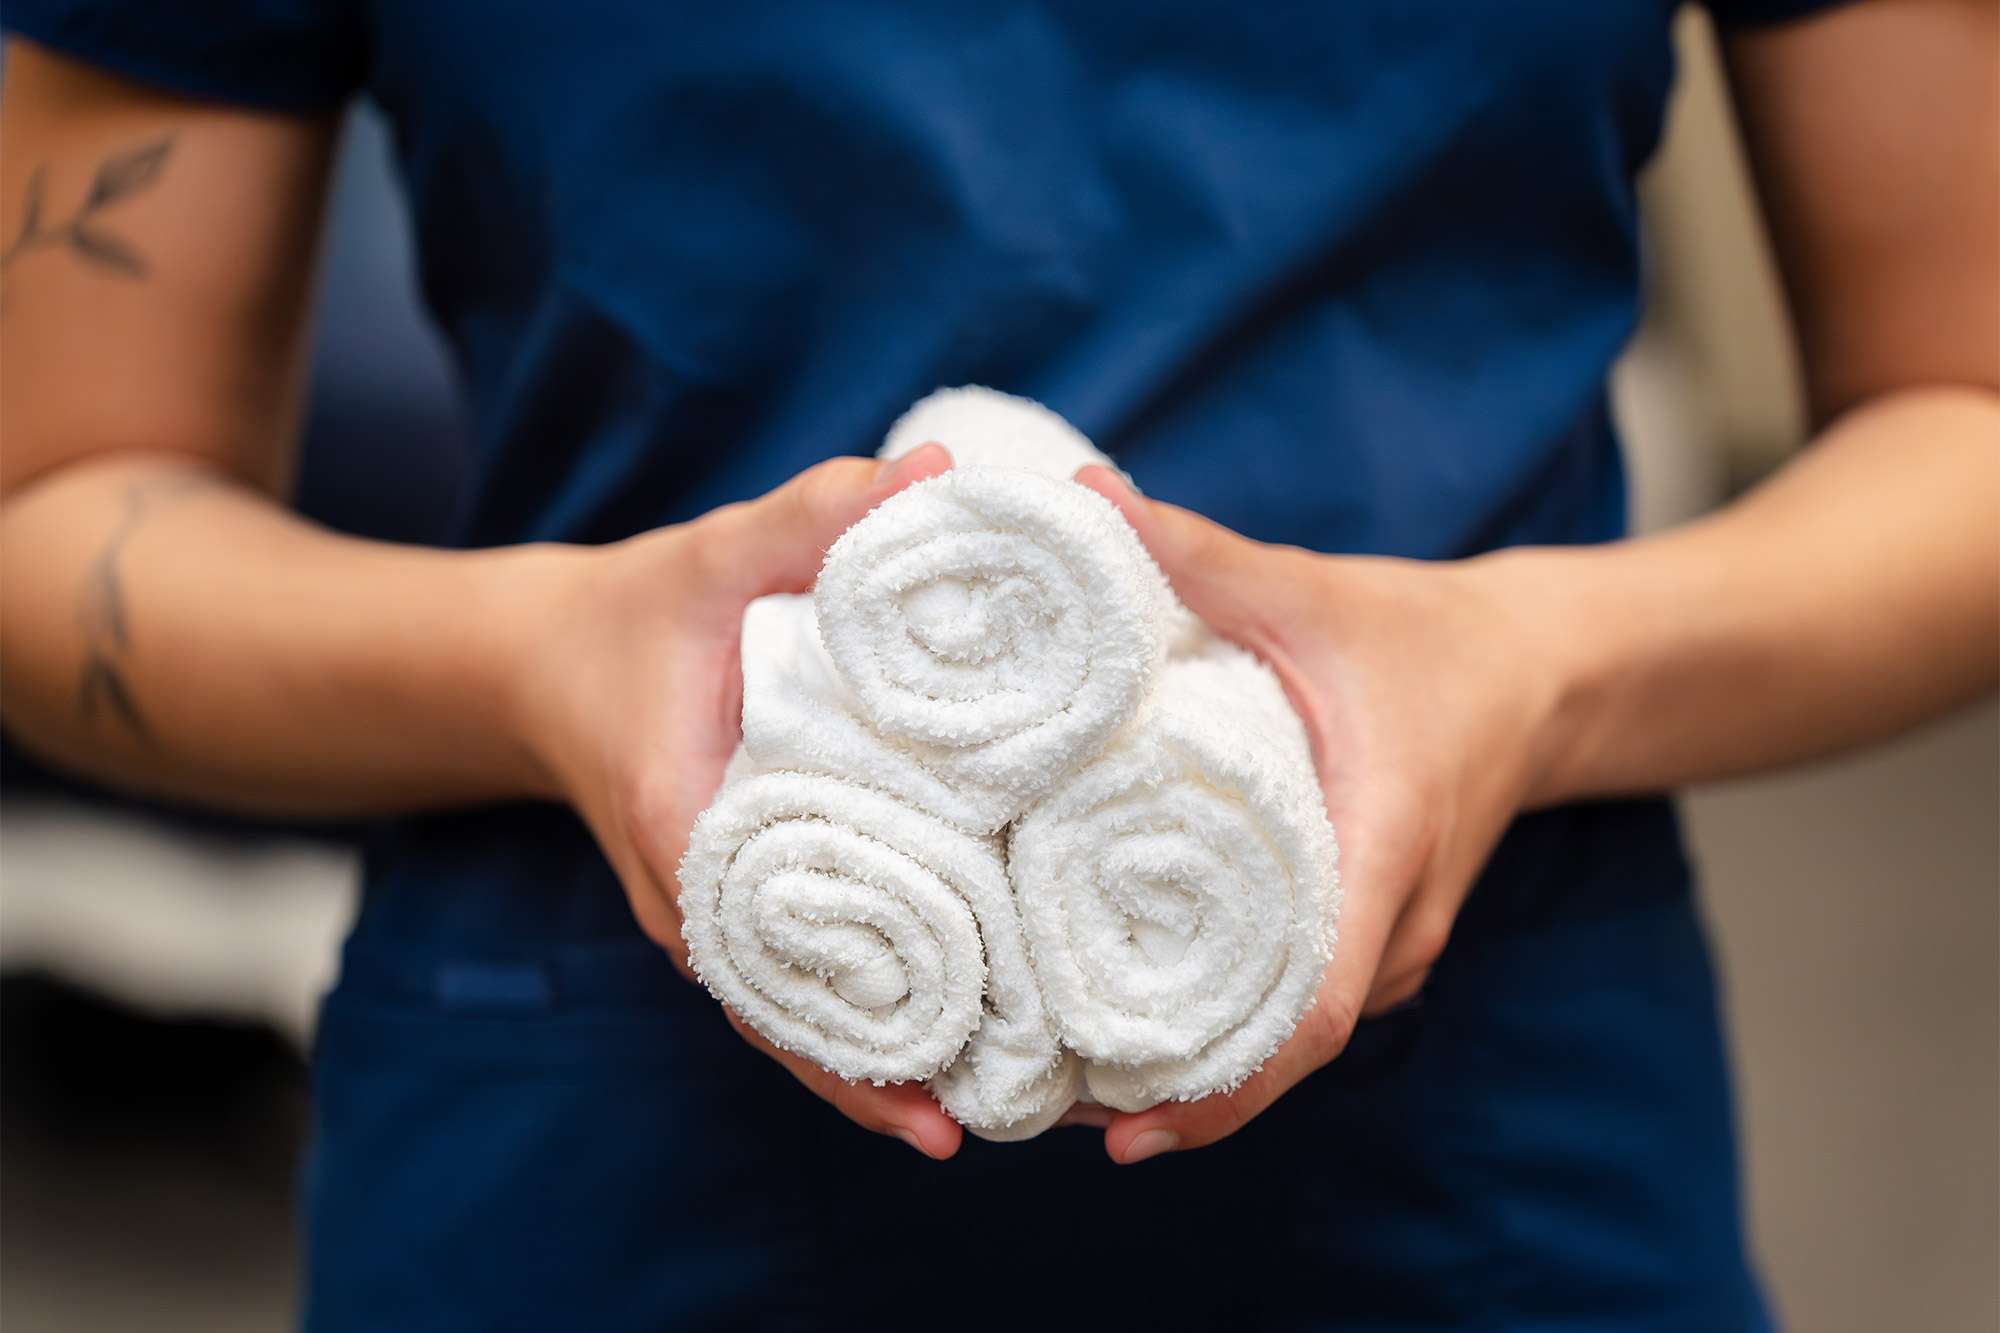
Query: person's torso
[[1347, 276]]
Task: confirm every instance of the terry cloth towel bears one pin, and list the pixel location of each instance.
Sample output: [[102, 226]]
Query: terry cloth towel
[[800, 715], [987, 428], [860, 934], [1180, 892], [995, 623], [1012, 1082]]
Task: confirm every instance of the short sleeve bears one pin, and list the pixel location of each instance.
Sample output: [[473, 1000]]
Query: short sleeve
[[281, 55], [1750, 13]]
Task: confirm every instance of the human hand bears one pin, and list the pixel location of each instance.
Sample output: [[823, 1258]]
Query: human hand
[[1429, 702], [633, 704]]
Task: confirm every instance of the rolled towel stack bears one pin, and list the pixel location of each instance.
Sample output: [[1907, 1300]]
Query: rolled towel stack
[[991, 646]]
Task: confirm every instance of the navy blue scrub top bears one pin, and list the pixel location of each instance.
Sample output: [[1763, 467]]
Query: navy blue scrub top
[[1344, 275]]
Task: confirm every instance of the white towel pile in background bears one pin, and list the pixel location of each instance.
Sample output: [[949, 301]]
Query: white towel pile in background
[[1005, 817]]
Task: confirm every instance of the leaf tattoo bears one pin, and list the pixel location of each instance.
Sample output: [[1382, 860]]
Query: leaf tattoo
[[118, 177], [127, 173], [103, 688], [107, 250], [31, 211]]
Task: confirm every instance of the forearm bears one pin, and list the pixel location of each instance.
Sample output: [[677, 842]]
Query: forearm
[[170, 630], [1855, 594]]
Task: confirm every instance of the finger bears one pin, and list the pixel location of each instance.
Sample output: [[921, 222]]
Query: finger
[[653, 906], [1382, 863], [1177, 1126], [784, 534], [901, 1110], [1414, 944], [1087, 1114], [1207, 564], [1424, 928], [650, 836], [1244, 590], [1375, 889], [1393, 991]]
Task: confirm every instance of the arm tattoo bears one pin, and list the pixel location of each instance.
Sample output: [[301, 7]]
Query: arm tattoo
[[102, 689], [121, 174]]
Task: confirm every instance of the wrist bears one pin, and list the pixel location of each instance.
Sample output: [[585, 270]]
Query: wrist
[[515, 605], [1562, 637]]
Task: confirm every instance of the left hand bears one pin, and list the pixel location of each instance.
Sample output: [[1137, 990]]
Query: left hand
[[1430, 705]]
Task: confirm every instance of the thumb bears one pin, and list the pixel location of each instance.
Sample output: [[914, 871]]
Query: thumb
[[1211, 568], [784, 534]]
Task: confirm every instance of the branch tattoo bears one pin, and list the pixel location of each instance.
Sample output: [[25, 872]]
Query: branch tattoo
[[82, 233], [102, 689]]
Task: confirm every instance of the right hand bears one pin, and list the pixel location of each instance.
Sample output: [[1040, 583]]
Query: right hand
[[631, 700]]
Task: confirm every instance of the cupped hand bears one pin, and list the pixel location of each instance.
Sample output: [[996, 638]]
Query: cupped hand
[[1429, 703], [633, 701]]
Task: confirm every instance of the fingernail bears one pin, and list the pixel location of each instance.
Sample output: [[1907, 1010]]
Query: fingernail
[[1106, 476], [909, 1136], [1151, 1144], [904, 465]]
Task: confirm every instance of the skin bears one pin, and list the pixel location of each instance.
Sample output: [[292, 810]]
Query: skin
[[170, 627]]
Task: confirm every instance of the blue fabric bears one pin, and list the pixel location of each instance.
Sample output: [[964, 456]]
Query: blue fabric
[[1343, 275], [1543, 1144], [282, 55]]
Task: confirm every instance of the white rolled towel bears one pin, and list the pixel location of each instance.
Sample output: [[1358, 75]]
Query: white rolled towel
[[997, 623], [984, 427], [860, 934], [1180, 892], [800, 715]]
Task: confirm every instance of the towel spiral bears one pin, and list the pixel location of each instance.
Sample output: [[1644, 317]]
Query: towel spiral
[[999, 625], [840, 924], [1178, 894]]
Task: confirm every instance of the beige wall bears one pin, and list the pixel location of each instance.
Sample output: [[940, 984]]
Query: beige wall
[[1856, 905]]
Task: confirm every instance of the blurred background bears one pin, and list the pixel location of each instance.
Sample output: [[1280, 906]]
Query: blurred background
[[159, 971]]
